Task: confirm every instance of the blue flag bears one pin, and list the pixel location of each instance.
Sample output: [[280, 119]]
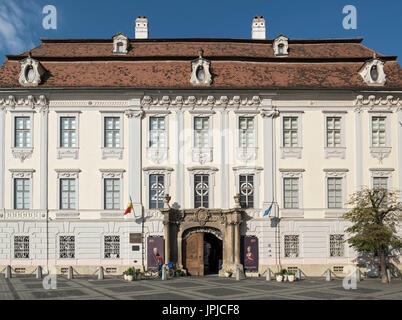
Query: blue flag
[[269, 209]]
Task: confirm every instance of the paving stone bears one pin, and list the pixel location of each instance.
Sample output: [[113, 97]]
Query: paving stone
[[40, 285], [133, 288], [358, 290], [161, 296], [266, 287], [177, 284], [51, 294], [318, 294], [220, 292]]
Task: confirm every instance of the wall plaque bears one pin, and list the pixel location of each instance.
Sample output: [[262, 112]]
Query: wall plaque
[[135, 237]]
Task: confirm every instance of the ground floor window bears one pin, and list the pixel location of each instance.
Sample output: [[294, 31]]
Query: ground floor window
[[112, 247], [246, 191], [201, 190], [336, 245], [291, 246], [67, 247], [21, 247]]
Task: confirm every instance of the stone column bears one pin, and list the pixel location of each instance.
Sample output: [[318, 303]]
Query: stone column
[[237, 243], [400, 150], [180, 250], [134, 115], [269, 157], [2, 159], [179, 158], [166, 225], [224, 159], [358, 148], [44, 112]]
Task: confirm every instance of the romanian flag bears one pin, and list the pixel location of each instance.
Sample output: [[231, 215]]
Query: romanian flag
[[129, 208]]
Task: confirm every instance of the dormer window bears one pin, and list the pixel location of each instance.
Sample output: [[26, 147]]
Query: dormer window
[[200, 74], [281, 46], [373, 72], [31, 72], [120, 44]]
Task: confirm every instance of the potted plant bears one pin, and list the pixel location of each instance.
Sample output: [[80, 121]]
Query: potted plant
[[279, 277], [138, 274], [284, 273], [228, 273], [291, 276], [125, 275], [177, 273], [130, 274]]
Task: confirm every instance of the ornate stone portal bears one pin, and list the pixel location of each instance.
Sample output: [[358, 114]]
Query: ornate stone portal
[[224, 224]]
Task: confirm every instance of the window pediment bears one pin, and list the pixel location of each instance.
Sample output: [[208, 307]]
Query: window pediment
[[200, 74], [120, 44], [281, 46], [373, 72]]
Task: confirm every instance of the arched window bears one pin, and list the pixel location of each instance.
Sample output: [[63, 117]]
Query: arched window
[[374, 73]]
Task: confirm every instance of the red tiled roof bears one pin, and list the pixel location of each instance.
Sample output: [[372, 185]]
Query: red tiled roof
[[166, 63]]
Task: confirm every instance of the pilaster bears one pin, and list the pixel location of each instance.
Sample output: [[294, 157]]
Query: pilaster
[[358, 150], [44, 112], [224, 166], [2, 164]]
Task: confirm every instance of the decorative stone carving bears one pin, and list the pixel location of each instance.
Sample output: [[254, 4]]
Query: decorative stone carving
[[22, 173], [212, 101], [272, 113], [291, 152], [202, 216], [373, 72], [338, 152], [23, 215], [67, 153], [247, 154], [31, 72], [109, 153], [131, 113], [120, 44], [202, 155], [22, 153], [157, 155], [373, 101], [67, 173], [30, 101], [380, 153], [281, 46], [200, 74], [112, 173]]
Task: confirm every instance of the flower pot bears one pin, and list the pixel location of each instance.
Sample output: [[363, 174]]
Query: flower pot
[[285, 277], [227, 275], [124, 276], [130, 278], [279, 278], [291, 278]]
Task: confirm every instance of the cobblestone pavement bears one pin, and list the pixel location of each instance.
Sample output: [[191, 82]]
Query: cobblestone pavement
[[194, 288]]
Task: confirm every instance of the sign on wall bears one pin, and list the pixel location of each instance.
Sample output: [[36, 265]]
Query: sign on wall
[[135, 238], [155, 248], [250, 253]]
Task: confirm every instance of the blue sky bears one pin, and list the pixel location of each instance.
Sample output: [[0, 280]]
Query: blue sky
[[378, 22]]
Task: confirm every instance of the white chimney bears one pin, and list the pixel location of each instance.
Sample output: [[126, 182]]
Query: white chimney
[[258, 30], [141, 28]]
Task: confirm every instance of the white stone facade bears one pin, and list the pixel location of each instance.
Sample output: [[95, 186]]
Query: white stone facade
[[356, 160]]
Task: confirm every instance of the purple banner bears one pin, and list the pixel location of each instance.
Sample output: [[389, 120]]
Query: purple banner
[[250, 253], [155, 249]]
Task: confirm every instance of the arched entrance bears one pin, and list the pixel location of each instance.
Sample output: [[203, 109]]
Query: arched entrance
[[202, 251]]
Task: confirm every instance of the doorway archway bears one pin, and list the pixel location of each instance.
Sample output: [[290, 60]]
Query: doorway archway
[[202, 251]]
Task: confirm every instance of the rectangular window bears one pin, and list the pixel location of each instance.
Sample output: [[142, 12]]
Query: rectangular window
[[201, 132], [333, 132], [112, 247], [380, 182], [22, 132], [201, 190], [22, 192], [67, 194], [378, 135], [334, 192], [246, 191], [156, 190], [157, 132], [290, 132], [68, 132], [336, 245], [67, 247], [246, 132], [112, 194], [291, 246], [21, 247], [291, 193], [112, 132]]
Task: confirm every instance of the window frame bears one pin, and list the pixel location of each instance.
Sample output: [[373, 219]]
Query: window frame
[[299, 245], [204, 171], [59, 246], [68, 174], [22, 152], [256, 172], [204, 154], [382, 173], [68, 152], [112, 174], [22, 174], [246, 154], [336, 173], [148, 171], [292, 212], [112, 152], [338, 151], [157, 154], [343, 248], [104, 247], [29, 246], [292, 151]]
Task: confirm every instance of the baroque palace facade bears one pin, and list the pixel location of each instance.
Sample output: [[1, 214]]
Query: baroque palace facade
[[203, 135]]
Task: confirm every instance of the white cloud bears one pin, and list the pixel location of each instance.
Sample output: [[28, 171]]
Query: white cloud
[[17, 25]]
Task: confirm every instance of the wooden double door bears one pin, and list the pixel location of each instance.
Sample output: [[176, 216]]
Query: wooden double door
[[202, 253]]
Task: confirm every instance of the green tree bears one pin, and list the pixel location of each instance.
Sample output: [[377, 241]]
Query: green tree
[[375, 214]]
